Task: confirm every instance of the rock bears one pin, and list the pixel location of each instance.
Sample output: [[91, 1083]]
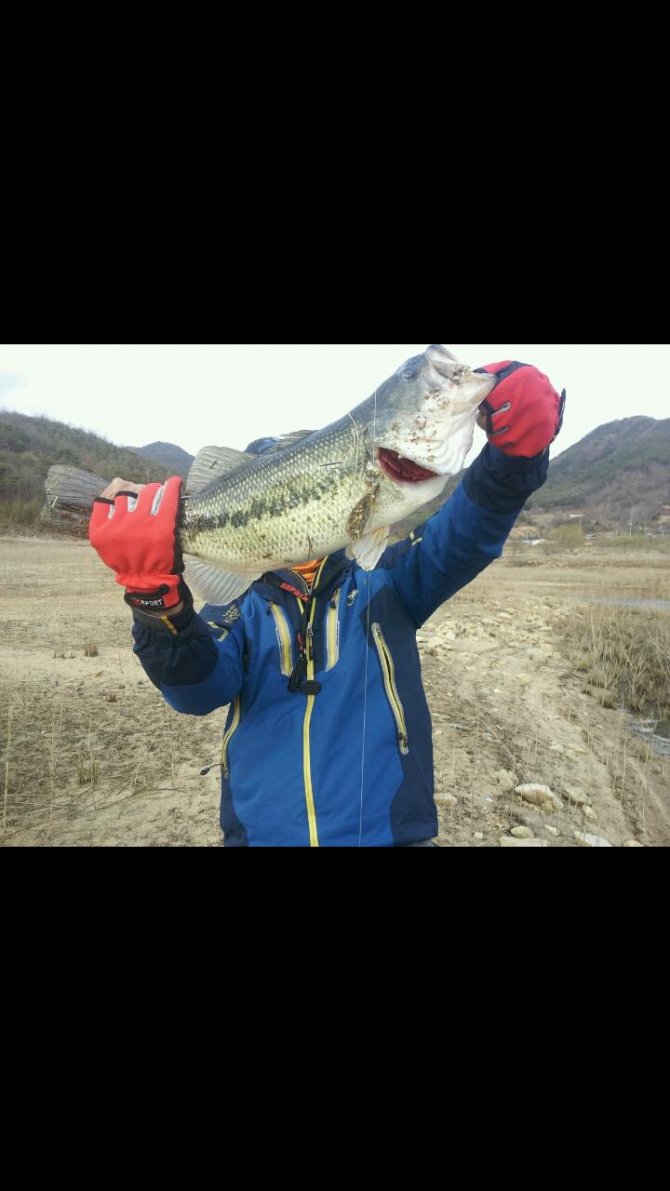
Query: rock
[[589, 814], [508, 841], [448, 800], [632, 843], [539, 795], [478, 835], [522, 833], [591, 841], [552, 830], [523, 679], [556, 748], [576, 795], [537, 655], [505, 779], [550, 808]]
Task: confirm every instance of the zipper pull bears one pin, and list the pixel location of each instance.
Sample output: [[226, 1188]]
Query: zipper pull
[[310, 636], [298, 675]]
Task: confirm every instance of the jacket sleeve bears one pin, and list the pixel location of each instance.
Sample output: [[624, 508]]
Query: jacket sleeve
[[195, 668], [466, 535]]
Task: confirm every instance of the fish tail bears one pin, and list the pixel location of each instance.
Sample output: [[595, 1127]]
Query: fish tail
[[68, 498]]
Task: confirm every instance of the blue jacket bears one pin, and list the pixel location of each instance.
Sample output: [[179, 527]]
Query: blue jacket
[[328, 740]]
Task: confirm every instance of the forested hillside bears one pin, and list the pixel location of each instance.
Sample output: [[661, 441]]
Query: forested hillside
[[28, 448], [619, 471]]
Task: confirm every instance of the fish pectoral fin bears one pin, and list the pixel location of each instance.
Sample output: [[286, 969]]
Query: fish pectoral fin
[[368, 550], [214, 586], [212, 462]]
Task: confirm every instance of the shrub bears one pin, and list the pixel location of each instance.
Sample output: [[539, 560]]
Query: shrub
[[569, 537], [20, 512], [628, 650]]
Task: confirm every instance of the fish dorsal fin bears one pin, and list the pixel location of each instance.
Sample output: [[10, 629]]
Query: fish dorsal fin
[[288, 440], [270, 446], [368, 550], [214, 586], [212, 462]]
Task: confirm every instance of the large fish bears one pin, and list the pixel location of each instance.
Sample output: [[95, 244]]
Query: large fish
[[342, 486]]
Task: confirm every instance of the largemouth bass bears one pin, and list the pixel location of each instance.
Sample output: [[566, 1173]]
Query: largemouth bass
[[342, 486]]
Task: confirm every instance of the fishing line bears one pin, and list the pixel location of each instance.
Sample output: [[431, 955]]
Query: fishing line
[[367, 658]]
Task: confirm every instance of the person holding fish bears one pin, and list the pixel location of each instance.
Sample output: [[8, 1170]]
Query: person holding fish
[[309, 625]]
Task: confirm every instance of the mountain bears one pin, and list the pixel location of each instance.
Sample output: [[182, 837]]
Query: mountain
[[167, 454], [29, 446], [618, 472]]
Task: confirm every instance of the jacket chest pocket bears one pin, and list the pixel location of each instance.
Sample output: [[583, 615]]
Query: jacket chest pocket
[[388, 675], [284, 640], [332, 631]]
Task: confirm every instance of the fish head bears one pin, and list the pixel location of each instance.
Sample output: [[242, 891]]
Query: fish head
[[423, 417]]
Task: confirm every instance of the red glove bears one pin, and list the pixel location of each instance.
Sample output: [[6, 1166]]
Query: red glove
[[524, 413], [136, 535]]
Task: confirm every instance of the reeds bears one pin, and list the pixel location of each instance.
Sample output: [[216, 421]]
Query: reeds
[[626, 652]]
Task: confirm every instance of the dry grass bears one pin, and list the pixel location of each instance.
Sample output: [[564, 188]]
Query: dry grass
[[626, 652]]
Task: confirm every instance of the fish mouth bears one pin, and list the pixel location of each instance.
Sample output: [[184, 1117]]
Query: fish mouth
[[402, 470]]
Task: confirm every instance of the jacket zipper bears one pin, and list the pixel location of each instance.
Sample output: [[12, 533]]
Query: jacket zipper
[[284, 640], [307, 761], [388, 672], [234, 725]]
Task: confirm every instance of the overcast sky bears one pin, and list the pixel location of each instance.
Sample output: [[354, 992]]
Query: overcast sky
[[229, 394]]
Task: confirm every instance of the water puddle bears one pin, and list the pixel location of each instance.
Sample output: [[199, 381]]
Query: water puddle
[[638, 604], [647, 728]]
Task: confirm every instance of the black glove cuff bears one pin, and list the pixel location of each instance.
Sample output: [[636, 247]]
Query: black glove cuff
[[176, 622], [154, 601]]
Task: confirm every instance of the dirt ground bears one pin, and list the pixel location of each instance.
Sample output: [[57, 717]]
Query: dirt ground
[[91, 756]]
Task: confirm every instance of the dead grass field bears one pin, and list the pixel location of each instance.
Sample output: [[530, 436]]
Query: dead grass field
[[91, 756]]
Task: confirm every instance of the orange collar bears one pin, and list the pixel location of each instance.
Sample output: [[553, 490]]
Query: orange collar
[[308, 570]]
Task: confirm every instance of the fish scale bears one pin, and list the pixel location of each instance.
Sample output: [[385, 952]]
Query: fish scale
[[283, 509]]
